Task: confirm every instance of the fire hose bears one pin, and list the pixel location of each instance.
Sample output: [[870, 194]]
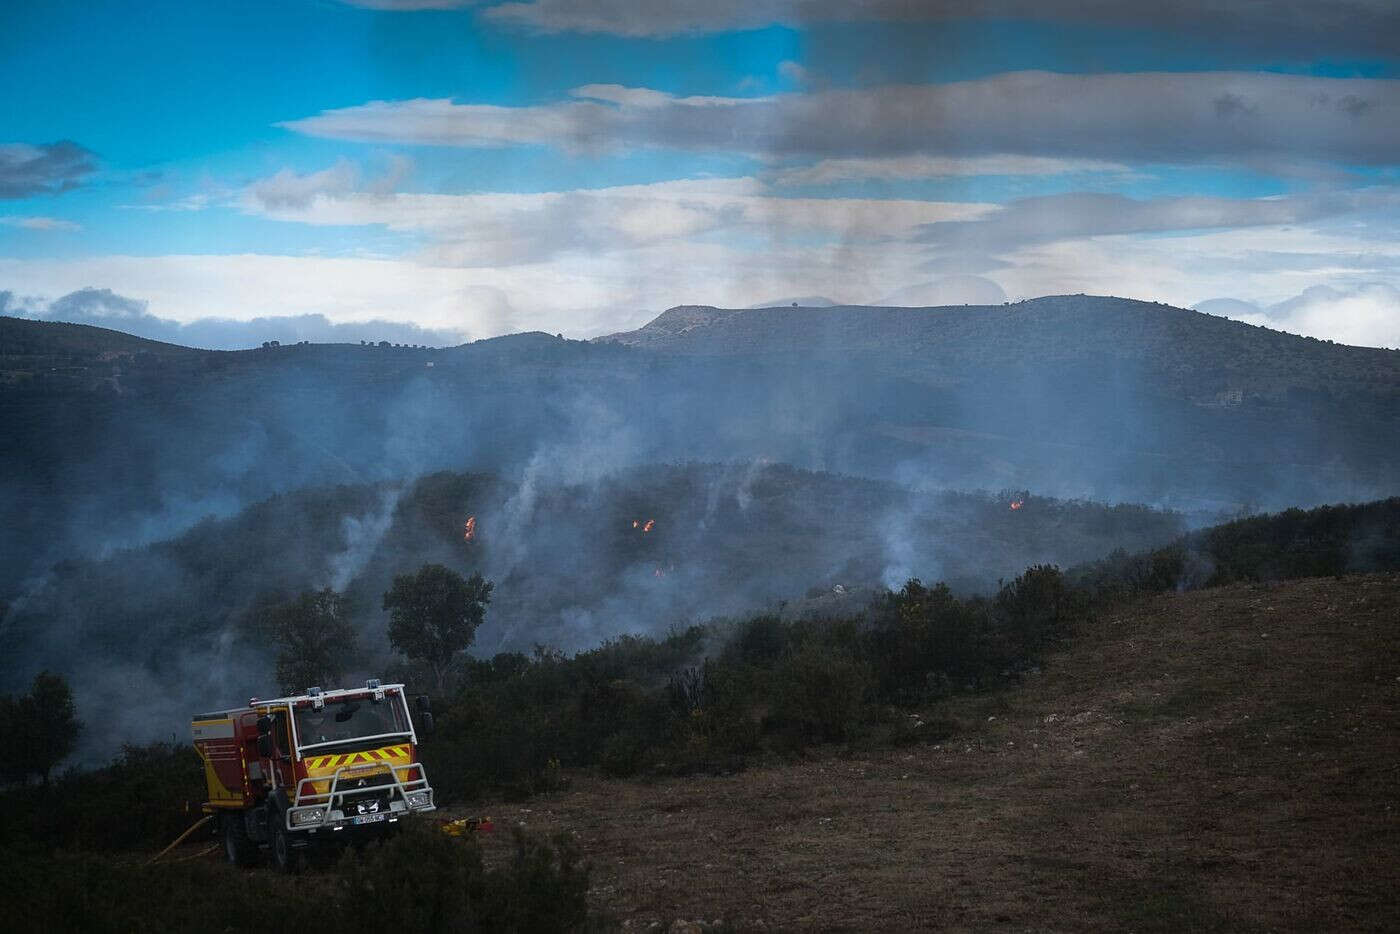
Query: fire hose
[[181, 839]]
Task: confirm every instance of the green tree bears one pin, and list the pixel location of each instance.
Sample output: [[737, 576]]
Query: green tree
[[39, 729], [1033, 611], [314, 638], [434, 614]]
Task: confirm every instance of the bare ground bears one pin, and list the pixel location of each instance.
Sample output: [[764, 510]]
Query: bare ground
[[1226, 759]]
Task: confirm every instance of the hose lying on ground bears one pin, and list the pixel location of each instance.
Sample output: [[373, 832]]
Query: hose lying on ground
[[181, 839]]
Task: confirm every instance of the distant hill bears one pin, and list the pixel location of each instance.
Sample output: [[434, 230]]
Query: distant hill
[[1195, 354], [20, 337], [115, 442]]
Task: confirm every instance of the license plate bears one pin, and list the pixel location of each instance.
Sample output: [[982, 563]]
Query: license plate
[[368, 818]]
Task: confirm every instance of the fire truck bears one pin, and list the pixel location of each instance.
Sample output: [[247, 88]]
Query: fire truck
[[318, 767]]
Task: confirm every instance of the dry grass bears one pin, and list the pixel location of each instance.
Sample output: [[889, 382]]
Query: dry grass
[[1227, 759]]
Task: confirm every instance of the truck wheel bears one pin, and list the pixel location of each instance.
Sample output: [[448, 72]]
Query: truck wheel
[[237, 847], [284, 856]]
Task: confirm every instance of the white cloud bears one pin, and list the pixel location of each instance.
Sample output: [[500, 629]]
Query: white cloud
[[1080, 214], [32, 222], [920, 166], [1159, 117], [793, 72], [513, 228], [288, 189], [1366, 315], [1261, 265], [646, 98]]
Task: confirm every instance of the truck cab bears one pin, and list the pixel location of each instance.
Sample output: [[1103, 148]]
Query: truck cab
[[296, 771]]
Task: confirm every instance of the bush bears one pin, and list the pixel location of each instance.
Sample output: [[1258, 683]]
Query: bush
[[145, 798], [1033, 611], [423, 880], [417, 880], [925, 641], [819, 691]]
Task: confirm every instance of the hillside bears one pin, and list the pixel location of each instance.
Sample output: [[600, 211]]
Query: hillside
[[571, 569], [1217, 760], [1196, 354], [113, 445], [21, 337]]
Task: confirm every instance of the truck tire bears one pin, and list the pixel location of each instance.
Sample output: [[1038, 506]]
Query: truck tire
[[240, 850], [285, 857]]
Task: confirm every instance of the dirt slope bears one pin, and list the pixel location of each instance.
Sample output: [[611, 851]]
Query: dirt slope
[[1226, 759]]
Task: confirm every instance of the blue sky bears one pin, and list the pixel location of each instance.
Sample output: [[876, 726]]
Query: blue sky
[[580, 166]]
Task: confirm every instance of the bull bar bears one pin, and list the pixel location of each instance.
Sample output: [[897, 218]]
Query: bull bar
[[415, 794]]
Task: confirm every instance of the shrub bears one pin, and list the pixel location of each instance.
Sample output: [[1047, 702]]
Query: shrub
[[423, 880], [146, 797], [820, 692], [417, 880], [925, 640], [1032, 612]]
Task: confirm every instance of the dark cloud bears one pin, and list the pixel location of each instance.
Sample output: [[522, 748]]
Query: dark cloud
[[1232, 105], [106, 309], [1359, 25], [43, 169], [1152, 117]]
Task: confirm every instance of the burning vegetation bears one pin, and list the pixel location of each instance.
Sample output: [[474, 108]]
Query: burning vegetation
[[469, 530]]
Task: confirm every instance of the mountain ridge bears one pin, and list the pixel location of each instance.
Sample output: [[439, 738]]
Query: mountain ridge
[[1197, 355]]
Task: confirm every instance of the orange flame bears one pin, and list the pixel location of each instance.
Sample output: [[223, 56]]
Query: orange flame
[[1017, 503], [469, 530], [650, 523]]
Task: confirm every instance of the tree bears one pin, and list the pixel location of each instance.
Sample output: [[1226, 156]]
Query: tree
[[315, 641], [1033, 611], [40, 728], [434, 615]]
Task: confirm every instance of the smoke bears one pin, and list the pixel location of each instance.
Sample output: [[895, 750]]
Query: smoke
[[144, 524], [362, 535], [744, 494], [902, 558]]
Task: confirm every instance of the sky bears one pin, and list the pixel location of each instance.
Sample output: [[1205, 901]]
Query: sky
[[439, 170]]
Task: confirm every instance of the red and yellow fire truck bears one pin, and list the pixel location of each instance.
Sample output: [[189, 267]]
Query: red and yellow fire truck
[[286, 773]]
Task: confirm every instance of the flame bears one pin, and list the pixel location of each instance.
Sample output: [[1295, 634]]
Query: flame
[[650, 523], [469, 530], [1017, 503], [635, 523]]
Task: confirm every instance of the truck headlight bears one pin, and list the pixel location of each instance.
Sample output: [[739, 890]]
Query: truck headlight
[[307, 817], [420, 799]]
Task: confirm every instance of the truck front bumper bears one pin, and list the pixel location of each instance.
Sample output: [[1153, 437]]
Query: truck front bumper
[[338, 808]]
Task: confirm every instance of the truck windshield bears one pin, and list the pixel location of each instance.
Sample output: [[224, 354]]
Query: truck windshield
[[346, 719]]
